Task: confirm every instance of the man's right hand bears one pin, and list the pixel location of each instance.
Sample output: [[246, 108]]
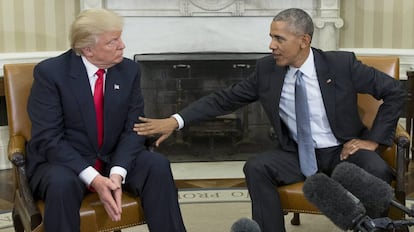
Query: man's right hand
[[106, 188], [164, 127]]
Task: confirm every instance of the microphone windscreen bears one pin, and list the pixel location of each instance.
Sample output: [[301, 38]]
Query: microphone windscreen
[[334, 201], [245, 225], [374, 193]]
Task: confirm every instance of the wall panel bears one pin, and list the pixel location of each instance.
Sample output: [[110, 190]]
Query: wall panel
[[42, 25], [35, 25], [377, 24]]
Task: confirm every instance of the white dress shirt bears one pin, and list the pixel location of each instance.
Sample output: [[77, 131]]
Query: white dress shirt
[[321, 131]]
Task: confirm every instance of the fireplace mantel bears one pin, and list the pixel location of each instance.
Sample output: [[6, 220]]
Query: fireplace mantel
[[214, 25]]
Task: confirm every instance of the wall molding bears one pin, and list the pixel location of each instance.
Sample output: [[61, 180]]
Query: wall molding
[[25, 57], [209, 16], [167, 8]]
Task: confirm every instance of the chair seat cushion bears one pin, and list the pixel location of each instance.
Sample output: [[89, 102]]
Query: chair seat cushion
[[293, 200], [94, 217]]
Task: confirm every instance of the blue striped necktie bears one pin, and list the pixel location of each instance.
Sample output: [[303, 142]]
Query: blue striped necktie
[[307, 159]]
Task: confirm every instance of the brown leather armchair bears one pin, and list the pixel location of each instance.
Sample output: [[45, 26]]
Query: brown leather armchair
[[28, 212], [292, 197]]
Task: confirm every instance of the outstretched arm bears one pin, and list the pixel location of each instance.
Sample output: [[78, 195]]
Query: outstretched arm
[[164, 127]]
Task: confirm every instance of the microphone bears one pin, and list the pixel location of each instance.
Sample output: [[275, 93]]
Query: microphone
[[245, 225], [344, 209], [375, 194]]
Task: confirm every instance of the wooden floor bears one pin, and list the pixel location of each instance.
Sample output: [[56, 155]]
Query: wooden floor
[[410, 182], [6, 187], [6, 190]]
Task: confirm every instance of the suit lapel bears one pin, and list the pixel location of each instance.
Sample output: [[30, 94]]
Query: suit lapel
[[117, 90], [276, 80], [79, 83], [327, 83], [112, 97]]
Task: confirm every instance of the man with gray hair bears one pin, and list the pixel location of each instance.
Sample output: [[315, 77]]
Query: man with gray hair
[[83, 105], [310, 98]]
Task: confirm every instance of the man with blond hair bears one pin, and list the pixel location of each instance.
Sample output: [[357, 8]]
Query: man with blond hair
[[83, 105]]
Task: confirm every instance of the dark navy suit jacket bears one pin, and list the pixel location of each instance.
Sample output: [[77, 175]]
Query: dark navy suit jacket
[[62, 112], [341, 77]]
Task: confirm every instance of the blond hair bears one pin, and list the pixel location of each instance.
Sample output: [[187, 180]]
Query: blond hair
[[89, 24]]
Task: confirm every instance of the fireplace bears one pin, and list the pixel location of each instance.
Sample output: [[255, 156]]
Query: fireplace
[[171, 81]]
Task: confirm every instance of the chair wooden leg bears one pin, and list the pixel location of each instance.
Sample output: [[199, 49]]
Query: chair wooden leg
[[295, 219], [17, 222]]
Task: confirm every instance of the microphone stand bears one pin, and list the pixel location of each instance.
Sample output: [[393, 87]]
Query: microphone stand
[[385, 224], [366, 224], [403, 208]]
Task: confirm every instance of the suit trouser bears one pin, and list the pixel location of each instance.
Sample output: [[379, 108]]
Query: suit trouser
[[150, 178], [277, 167]]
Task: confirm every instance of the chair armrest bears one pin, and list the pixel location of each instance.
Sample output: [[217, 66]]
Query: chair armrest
[[16, 153], [402, 139], [17, 145]]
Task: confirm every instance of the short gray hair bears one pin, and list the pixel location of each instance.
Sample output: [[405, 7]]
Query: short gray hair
[[299, 21]]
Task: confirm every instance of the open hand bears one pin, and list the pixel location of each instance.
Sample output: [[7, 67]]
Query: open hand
[[163, 127]]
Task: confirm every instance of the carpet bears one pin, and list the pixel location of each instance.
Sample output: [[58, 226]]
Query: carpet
[[185, 197], [6, 221], [213, 195], [219, 217], [216, 210]]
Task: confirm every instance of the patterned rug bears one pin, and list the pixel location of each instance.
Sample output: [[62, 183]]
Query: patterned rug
[[6, 222], [193, 196], [223, 207]]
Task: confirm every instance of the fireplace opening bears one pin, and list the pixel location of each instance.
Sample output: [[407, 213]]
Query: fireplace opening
[[171, 81]]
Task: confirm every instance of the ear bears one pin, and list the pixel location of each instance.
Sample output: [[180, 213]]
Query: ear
[[306, 41], [87, 51]]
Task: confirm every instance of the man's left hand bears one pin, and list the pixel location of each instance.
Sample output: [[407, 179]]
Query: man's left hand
[[109, 194], [354, 145], [117, 193]]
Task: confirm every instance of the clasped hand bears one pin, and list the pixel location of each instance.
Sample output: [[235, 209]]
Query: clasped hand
[[110, 194]]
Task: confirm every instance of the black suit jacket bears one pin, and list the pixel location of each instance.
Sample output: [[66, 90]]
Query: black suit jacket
[[62, 113], [341, 77]]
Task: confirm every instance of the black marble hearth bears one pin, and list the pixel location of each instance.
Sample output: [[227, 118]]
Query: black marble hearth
[[170, 81]]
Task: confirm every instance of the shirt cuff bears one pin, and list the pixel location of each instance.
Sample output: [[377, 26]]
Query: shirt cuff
[[120, 171], [88, 174], [180, 121]]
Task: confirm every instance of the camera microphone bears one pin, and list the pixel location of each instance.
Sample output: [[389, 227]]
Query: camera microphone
[[375, 194], [334, 201], [245, 225]]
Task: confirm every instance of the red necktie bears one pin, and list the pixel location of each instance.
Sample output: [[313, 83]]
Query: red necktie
[[98, 98]]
